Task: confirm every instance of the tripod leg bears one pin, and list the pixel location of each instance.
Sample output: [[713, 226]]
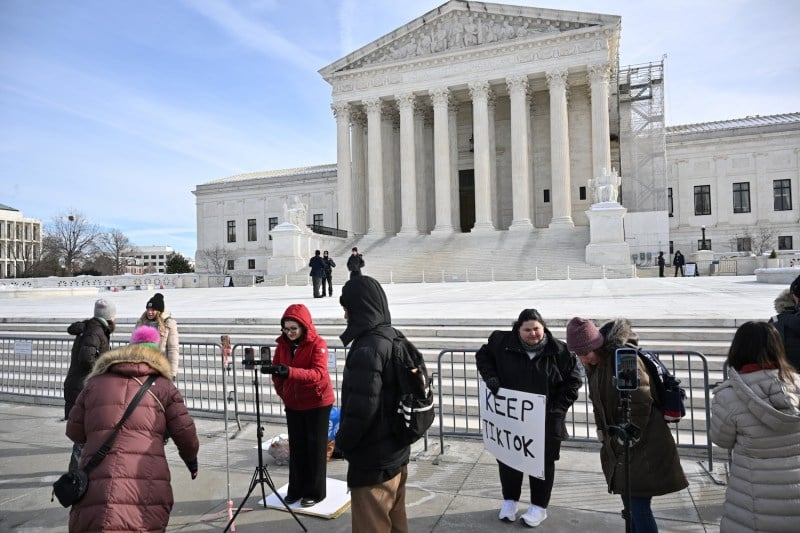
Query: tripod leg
[[244, 500], [268, 480]]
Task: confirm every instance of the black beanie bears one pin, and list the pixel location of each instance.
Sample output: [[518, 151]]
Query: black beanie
[[156, 302]]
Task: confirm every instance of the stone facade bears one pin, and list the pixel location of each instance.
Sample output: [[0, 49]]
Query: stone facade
[[20, 241]]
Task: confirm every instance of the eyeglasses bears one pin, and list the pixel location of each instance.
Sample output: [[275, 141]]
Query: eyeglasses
[[292, 330]]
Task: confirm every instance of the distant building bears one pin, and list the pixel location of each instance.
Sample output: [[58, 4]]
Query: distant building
[[147, 259], [20, 242]]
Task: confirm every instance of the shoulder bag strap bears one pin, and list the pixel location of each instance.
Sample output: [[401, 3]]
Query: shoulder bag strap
[[104, 449]]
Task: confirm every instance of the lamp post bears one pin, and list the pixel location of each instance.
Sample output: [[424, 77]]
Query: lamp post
[[703, 245]]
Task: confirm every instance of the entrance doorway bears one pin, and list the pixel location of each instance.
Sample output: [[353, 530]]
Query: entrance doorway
[[466, 198]]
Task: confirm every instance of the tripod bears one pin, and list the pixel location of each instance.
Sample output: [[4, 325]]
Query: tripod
[[628, 433], [260, 475]]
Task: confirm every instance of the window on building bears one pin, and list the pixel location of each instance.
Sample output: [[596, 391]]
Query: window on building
[[741, 197], [669, 202], [251, 264], [744, 244], [671, 248], [702, 200], [317, 219], [251, 230], [546, 196], [230, 264], [785, 242], [700, 244], [231, 231], [273, 221], [782, 190], [582, 193]]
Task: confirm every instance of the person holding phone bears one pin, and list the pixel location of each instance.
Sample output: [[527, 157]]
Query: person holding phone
[[654, 455], [528, 358], [301, 379]]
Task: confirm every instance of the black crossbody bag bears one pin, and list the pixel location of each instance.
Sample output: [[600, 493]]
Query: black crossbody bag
[[71, 487]]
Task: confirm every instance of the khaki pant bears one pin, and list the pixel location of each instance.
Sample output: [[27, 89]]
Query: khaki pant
[[380, 508]]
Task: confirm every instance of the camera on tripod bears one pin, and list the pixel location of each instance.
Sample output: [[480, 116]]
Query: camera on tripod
[[265, 362], [626, 373]]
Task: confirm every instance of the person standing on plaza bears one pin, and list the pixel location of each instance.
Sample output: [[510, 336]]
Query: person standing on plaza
[[787, 321], [317, 274], [92, 339], [678, 261], [528, 358], [654, 456], [756, 413], [301, 379], [330, 264], [355, 263], [377, 459], [157, 316], [130, 489], [661, 264]]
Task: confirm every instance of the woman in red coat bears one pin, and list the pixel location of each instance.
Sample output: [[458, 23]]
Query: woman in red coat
[[130, 489], [302, 381]]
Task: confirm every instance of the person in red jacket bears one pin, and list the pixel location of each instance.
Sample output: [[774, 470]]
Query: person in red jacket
[[301, 379]]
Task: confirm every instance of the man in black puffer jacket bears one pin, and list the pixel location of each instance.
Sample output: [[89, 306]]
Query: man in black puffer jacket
[[377, 459]]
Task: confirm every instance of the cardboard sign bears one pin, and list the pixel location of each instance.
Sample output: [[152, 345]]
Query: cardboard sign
[[512, 426]]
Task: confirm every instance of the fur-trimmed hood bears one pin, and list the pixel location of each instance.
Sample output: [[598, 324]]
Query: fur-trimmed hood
[[784, 302], [619, 332], [136, 353]]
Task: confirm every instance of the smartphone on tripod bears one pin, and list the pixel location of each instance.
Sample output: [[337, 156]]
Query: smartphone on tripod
[[626, 374]]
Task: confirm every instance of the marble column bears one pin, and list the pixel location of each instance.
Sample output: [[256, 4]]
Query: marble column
[[601, 141], [389, 140], [559, 150], [359, 174], [375, 223], [520, 153], [455, 190], [423, 175], [479, 92], [341, 111], [408, 165], [441, 149]]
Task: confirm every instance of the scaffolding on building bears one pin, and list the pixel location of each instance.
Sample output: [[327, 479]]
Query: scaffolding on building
[[642, 151]]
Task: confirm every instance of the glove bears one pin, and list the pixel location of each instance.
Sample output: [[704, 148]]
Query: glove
[[493, 384], [192, 466], [282, 371]]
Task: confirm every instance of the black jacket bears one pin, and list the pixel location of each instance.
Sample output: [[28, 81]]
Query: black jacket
[[317, 267], [554, 373], [787, 322], [329, 266], [355, 263], [365, 435], [91, 340]]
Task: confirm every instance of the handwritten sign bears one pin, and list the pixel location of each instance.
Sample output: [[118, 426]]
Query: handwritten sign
[[512, 424]]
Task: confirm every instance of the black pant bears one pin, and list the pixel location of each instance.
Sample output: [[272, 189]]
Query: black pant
[[678, 267], [308, 447], [327, 280], [511, 481], [318, 289]]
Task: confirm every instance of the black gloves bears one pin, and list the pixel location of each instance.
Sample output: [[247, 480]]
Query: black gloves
[[493, 384], [282, 371], [192, 466]]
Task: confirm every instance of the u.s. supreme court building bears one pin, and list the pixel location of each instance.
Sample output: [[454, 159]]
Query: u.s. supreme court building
[[481, 125]]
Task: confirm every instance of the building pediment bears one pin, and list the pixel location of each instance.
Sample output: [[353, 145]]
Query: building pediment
[[459, 26]]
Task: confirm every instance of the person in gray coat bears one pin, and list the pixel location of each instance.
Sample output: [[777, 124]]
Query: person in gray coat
[[756, 413]]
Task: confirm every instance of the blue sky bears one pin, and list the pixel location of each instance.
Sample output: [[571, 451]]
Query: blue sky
[[120, 108]]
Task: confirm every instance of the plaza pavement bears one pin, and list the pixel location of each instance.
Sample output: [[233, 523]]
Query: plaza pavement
[[455, 489]]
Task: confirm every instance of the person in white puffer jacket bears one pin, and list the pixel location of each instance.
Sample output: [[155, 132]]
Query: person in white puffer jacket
[[756, 413]]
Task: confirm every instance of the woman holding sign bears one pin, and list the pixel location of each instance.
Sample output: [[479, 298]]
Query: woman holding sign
[[529, 359]]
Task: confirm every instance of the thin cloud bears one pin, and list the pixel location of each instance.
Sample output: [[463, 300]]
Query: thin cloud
[[257, 36]]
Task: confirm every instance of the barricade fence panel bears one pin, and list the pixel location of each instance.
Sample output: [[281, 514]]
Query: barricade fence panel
[[209, 382]]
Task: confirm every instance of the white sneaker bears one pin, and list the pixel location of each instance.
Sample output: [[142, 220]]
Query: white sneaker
[[509, 511], [534, 516]]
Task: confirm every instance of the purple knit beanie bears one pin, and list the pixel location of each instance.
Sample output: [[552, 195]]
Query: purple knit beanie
[[583, 336]]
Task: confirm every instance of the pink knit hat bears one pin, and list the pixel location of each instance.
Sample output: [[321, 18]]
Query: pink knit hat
[[583, 336], [145, 334]]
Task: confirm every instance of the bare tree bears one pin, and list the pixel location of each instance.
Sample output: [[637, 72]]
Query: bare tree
[[74, 236], [213, 259], [114, 244], [762, 241]]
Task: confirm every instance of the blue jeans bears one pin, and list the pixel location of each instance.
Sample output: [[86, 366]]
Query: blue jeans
[[642, 519]]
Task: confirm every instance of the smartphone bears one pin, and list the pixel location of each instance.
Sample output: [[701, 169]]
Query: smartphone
[[266, 356], [249, 358], [626, 372]]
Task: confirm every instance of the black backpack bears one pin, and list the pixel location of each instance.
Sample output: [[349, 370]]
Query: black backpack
[[415, 412], [670, 396]]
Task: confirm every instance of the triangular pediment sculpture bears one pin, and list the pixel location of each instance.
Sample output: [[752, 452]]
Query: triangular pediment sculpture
[[459, 25]]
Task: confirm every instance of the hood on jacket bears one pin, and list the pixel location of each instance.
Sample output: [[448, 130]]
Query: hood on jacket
[[619, 332], [137, 353], [774, 406], [300, 314], [367, 307], [784, 302]]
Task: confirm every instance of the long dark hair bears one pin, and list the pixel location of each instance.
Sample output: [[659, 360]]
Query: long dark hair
[[759, 343], [528, 314]]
